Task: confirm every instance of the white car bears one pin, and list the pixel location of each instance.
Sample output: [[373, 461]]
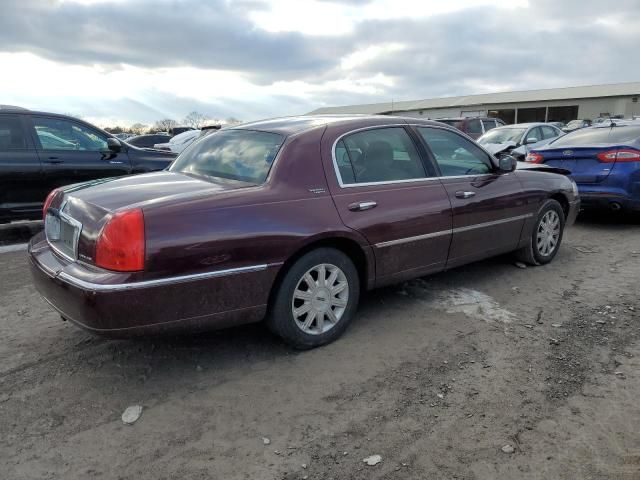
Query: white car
[[178, 143], [518, 139]]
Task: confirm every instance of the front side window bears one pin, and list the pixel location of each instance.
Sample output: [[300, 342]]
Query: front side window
[[11, 134], [455, 154], [534, 134], [244, 155], [378, 155], [549, 132], [61, 134]]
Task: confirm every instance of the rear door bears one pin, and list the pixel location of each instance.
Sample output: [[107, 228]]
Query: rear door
[[21, 183], [72, 152], [489, 209], [382, 189]]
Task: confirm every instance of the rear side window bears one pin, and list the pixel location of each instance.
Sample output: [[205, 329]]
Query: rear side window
[[12, 135], [455, 154], [591, 136], [378, 155], [473, 126], [245, 155]]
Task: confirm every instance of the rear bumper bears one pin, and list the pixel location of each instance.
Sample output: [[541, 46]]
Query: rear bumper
[[609, 201], [190, 303]]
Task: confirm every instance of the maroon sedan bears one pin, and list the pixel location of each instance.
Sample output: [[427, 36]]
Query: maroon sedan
[[289, 220]]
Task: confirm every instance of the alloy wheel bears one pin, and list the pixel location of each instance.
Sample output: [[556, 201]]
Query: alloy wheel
[[320, 299], [548, 233]]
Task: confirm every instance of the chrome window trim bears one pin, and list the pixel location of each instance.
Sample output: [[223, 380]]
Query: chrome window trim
[[389, 182], [336, 169], [440, 233], [100, 287]]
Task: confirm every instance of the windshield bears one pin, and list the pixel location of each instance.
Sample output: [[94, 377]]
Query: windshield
[[244, 155], [574, 123], [592, 136], [184, 136], [502, 135]]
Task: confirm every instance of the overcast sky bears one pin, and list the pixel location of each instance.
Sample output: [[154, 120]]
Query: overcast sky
[[126, 61]]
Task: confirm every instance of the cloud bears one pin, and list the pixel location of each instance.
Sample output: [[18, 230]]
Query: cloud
[[251, 58]]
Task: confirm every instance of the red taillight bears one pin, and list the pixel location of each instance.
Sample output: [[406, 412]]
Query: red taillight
[[534, 158], [48, 201], [623, 155], [120, 245]]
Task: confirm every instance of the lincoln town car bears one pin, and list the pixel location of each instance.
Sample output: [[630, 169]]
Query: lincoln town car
[[289, 221]]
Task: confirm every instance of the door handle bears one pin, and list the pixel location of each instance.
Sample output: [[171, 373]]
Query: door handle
[[461, 194], [360, 206], [53, 160]]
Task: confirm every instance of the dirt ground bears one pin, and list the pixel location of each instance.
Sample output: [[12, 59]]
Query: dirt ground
[[436, 376]]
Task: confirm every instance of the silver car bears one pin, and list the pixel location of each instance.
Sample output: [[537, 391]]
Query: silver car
[[518, 139]]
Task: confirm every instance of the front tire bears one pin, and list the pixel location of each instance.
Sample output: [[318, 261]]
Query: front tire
[[546, 236], [316, 300]]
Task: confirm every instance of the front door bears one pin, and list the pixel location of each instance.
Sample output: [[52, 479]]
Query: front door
[[72, 152], [489, 209], [21, 184], [382, 189]]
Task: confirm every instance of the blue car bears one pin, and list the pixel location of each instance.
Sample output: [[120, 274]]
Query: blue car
[[604, 161]]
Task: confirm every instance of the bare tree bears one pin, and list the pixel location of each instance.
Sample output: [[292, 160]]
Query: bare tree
[[165, 125], [195, 119], [138, 128]]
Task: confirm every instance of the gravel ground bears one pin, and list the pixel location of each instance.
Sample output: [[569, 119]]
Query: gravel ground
[[485, 372]]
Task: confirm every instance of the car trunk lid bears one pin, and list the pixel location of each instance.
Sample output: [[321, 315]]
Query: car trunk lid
[[582, 162], [87, 207]]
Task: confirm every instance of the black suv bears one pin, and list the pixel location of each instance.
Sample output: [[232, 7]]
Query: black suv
[[42, 151]]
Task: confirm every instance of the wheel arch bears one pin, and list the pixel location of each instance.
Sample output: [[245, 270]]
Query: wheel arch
[[361, 256], [562, 199]]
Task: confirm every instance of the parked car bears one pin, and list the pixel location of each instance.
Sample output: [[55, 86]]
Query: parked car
[[148, 140], [289, 219], [472, 126], [518, 139], [178, 143], [604, 161], [42, 151], [173, 131], [559, 125], [576, 125], [123, 136]]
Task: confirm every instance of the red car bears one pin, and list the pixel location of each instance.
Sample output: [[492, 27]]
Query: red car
[[289, 220]]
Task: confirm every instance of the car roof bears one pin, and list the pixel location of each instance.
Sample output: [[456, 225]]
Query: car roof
[[298, 124]]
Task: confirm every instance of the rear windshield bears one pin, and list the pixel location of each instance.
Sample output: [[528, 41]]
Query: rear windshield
[[244, 155], [592, 136]]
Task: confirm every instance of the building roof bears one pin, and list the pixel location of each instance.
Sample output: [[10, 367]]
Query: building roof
[[566, 93]]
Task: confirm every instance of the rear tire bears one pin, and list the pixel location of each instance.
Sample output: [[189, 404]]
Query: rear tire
[[546, 237], [308, 311]]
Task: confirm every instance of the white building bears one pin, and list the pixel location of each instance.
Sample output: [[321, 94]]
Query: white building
[[548, 105]]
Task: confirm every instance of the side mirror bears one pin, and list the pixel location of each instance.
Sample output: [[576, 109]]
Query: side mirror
[[531, 140], [507, 164], [114, 145]]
